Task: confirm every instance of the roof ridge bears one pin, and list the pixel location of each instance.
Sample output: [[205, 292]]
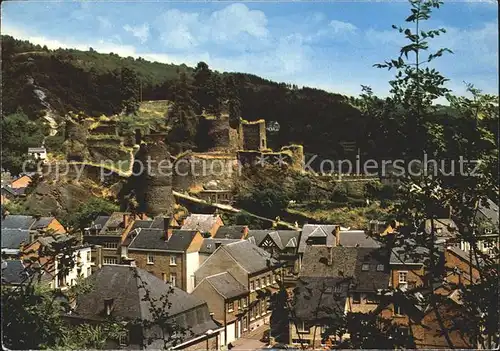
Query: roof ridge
[[213, 286], [138, 230]]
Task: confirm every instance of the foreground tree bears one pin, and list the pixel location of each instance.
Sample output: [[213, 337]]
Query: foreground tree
[[437, 187]]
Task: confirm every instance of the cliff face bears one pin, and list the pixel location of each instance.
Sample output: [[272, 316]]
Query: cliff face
[[153, 186]]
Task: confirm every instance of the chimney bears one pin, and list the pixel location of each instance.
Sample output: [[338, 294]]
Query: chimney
[[126, 218], [169, 233], [108, 306]]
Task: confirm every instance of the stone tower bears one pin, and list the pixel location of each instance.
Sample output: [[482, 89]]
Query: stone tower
[[153, 186]]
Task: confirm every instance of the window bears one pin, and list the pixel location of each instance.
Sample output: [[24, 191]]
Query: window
[[397, 310], [245, 323], [172, 261], [110, 260], [89, 271], [111, 245], [337, 288], [274, 278], [88, 256], [263, 307], [371, 298], [303, 327], [257, 284], [268, 280], [380, 268], [230, 306], [173, 279], [252, 287], [164, 277], [365, 267], [402, 277], [356, 298], [244, 302], [263, 281], [488, 244], [151, 258]]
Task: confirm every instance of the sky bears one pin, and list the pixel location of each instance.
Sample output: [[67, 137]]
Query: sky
[[328, 45]]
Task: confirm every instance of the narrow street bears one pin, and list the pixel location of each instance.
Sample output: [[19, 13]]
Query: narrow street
[[251, 341]]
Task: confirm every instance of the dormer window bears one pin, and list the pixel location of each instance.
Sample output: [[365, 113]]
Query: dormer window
[[380, 268], [365, 267]]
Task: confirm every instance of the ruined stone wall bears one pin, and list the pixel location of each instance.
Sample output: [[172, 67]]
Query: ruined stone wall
[[254, 135], [105, 128], [297, 154], [195, 169], [106, 153], [254, 158], [218, 134], [154, 188]]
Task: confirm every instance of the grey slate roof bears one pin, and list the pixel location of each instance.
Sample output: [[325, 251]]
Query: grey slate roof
[[114, 222], [159, 222], [444, 228], [401, 256], [347, 262], [122, 284], [257, 236], [282, 238], [230, 232], [100, 222], [312, 292], [226, 285], [9, 190], [17, 222], [12, 272], [145, 224], [155, 239], [253, 259], [201, 222], [353, 238], [42, 223], [489, 210], [209, 245], [13, 238], [317, 230]]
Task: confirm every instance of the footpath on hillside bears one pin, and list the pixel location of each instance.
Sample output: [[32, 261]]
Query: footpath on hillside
[[230, 208]]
